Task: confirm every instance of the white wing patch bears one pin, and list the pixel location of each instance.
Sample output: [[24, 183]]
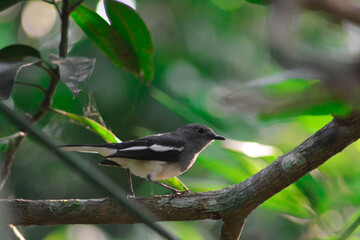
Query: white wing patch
[[135, 148], [160, 148], [154, 147]]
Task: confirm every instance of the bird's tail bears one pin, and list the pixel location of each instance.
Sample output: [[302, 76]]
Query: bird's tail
[[99, 149]]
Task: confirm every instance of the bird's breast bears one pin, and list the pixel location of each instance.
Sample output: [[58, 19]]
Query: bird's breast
[[159, 170]]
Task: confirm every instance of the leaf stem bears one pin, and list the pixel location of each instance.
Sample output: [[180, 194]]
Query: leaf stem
[[55, 4], [57, 7], [31, 85]]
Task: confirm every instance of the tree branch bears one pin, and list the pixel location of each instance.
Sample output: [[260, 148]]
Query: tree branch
[[232, 204], [232, 228], [31, 85]]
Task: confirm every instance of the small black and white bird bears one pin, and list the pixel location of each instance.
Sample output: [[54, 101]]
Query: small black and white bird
[[155, 157]]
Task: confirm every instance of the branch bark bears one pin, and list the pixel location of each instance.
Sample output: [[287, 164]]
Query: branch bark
[[232, 204]]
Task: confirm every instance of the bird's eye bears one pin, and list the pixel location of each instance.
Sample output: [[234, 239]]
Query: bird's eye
[[201, 130]]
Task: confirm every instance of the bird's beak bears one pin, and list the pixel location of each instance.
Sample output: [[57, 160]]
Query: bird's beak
[[218, 137]]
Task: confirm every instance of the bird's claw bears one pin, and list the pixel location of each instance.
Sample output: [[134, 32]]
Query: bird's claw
[[130, 196], [177, 193]]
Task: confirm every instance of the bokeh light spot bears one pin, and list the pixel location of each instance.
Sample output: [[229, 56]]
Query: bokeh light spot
[[38, 18]]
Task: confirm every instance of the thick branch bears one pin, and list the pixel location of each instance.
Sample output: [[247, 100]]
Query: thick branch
[[233, 204], [232, 228]]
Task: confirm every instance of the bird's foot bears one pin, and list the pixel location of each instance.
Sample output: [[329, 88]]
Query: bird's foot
[[131, 196], [177, 193]]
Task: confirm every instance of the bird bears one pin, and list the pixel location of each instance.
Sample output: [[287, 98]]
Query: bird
[[154, 157]]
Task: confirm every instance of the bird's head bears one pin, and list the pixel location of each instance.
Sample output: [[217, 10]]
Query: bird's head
[[199, 134]]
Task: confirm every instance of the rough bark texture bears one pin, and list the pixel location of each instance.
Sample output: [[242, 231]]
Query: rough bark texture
[[232, 204]]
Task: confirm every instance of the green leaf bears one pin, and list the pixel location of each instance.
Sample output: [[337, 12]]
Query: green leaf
[[307, 108], [18, 52], [107, 39], [2, 147], [8, 72], [4, 4], [228, 5], [260, 2], [74, 70], [288, 201], [290, 86], [106, 134], [176, 183], [12, 59], [314, 190], [132, 28], [57, 234]]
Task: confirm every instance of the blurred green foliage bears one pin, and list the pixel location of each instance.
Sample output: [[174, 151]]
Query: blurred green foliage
[[205, 51]]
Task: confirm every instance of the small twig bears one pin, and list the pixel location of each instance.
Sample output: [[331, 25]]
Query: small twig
[[65, 12], [75, 5], [57, 7], [8, 138], [53, 2], [92, 110], [9, 158], [16, 232], [31, 85], [48, 69], [48, 66]]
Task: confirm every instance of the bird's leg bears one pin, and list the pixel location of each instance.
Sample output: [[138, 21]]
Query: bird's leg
[[174, 191], [131, 195]]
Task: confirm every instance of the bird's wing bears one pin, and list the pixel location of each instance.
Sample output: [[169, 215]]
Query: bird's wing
[[162, 147]]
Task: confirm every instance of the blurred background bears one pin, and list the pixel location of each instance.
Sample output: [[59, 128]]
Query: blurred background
[[207, 54]]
